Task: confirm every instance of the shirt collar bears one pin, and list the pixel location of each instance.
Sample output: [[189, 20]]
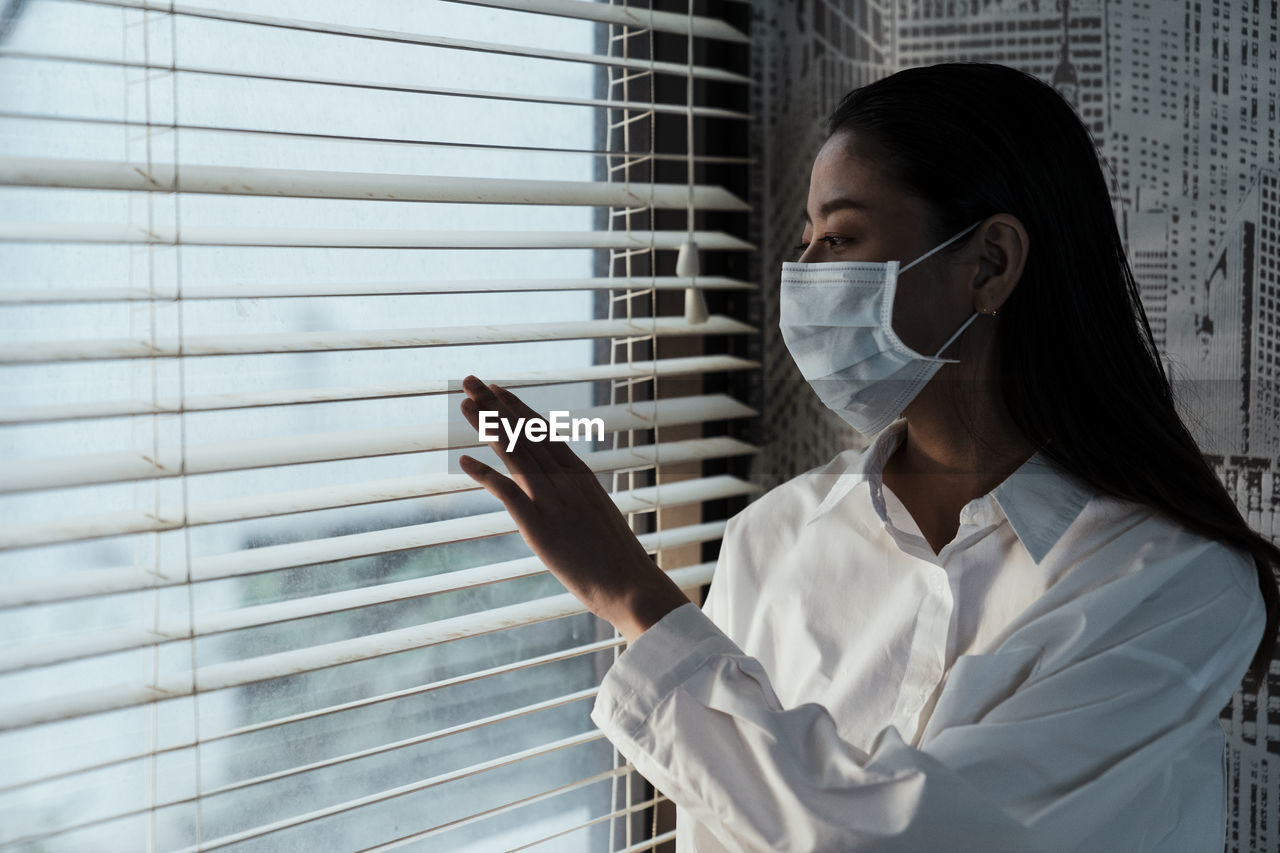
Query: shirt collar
[[1040, 499]]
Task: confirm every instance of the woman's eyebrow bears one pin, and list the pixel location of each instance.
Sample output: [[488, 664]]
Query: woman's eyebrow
[[840, 203]]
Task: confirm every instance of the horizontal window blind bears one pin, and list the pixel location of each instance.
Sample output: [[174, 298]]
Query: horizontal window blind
[[248, 600]]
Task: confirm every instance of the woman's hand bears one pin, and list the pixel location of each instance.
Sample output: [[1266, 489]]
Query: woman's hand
[[569, 521]]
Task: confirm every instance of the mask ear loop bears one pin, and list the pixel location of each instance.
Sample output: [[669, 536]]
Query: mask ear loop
[[972, 316], [939, 246], [943, 348]]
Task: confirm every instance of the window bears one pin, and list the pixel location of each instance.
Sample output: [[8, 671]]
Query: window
[[248, 600]]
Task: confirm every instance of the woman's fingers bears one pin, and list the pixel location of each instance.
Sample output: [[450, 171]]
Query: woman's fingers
[[566, 517], [555, 455], [501, 487], [522, 464]]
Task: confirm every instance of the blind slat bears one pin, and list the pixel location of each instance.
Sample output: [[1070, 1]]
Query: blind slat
[[245, 454], [35, 352], [272, 558], [613, 815], [373, 186], [241, 17], [360, 238], [407, 742], [410, 788], [650, 843], [157, 128], [510, 805], [101, 582], [335, 761], [470, 725], [296, 290], [207, 737], [72, 529], [98, 643], [372, 86], [267, 829], [281, 664], [635, 371], [634, 17]]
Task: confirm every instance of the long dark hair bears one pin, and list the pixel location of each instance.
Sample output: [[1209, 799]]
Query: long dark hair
[[973, 139]]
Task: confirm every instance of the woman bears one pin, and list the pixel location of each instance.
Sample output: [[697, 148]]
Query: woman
[[1011, 622]]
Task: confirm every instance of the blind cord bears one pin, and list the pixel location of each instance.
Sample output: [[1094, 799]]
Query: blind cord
[[695, 305], [153, 766], [182, 429]]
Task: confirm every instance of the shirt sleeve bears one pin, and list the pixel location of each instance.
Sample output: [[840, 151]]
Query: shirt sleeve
[[1051, 739]]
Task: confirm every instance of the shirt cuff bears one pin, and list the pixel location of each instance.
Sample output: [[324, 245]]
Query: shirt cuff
[[652, 666]]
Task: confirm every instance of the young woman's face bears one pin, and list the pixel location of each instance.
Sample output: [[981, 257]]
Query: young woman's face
[[853, 214]]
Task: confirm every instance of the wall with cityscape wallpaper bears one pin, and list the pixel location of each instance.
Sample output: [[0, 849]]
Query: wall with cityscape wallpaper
[[1181, 99]]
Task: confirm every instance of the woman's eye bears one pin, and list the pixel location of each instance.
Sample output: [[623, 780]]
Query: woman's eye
[[831, 240]]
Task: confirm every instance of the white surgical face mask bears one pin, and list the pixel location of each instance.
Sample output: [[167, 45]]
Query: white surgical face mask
[[836, 321]]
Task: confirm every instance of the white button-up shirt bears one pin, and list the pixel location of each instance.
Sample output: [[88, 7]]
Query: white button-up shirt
[[1050, 681]]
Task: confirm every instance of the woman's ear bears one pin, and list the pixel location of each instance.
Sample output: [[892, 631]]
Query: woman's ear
[[1002, 253]]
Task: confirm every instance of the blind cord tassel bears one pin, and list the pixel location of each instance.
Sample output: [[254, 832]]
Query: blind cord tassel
[[695, 305]]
